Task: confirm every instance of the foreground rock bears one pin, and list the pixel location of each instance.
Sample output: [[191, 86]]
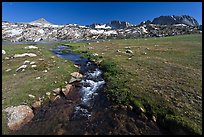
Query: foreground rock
[[3, 52], [18, 116]]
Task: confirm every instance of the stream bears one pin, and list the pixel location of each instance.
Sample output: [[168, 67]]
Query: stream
[[86, 110]]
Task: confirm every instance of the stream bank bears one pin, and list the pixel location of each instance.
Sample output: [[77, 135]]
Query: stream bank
[[81, 114]]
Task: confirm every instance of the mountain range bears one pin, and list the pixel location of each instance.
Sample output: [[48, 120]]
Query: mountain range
[[41, 29]]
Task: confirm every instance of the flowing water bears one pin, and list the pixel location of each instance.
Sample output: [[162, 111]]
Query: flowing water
[[86, 109]]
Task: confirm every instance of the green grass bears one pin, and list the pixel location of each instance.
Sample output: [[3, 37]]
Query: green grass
[[15, 89], [166, 81]]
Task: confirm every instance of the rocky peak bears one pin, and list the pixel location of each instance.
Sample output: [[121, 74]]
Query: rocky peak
[[171, 20], [119, 24], [41, 21]]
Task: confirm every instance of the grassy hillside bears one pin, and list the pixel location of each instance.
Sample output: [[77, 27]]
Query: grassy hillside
[[16, 86], [163, 75]]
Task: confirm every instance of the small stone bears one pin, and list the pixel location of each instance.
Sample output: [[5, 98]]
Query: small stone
[[48, 93], [31, 63], [31, 96], [68, 89], [37, 78], [94, 54], [40, 59], [57, 97], [129, 107], [57, 90], [154, 119], [3, 52], [30, 47], [36, 104], [21, 67], [45, 71], [6, 58], [25, 62], [33, 66], [129, 51], [8, 70], [77, 66]]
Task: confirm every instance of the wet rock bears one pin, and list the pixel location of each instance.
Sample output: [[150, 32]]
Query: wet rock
[[18, 116], [21, 67], [69, 88], [77, 75], [3, 52], [57, 98], [74, 80]]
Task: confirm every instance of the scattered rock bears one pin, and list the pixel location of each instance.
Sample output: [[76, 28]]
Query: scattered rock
[[74, 80], [69, 88], [31, 96], [33, 66], [127, 47], [94, 54], [30, 47], [21, 67], [154, 119], [6, 58], [57, 90], [77, 66], [40, 59], [8, 70], [3, 52], [37, 78], [26, 62], [45, 71], [129, 107], [25, 54], [31, 63], [18, 116], [57, 97], [36, 104], [48, 93], [129, 51], [118, 50]]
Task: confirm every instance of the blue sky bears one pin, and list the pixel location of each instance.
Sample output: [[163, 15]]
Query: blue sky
[[85, 13]]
